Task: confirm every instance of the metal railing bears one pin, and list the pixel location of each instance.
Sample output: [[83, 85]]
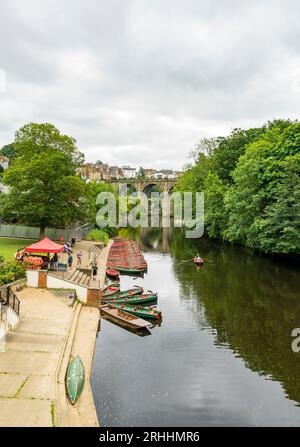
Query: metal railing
[[8, 298], [12, 301], [2, 313]]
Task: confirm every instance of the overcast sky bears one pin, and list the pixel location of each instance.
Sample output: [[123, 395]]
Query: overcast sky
[[141, 81]]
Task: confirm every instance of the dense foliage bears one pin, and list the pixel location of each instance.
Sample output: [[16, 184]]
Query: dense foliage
[[11, 271], [98, 236], [251, 181], [44, 188], [8, 151]]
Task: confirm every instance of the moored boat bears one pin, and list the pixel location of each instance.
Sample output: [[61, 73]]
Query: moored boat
[[130, 271], [75, 379], [137, 299], [142, 312], [123, 318], [112, 273], [136, 290], [110, 290]]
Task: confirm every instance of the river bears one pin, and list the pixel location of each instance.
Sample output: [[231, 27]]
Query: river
[[222, 356]]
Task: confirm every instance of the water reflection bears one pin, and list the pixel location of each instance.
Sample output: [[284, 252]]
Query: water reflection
[[225, 325]]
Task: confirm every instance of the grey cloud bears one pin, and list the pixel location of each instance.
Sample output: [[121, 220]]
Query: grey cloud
[[140, 82]]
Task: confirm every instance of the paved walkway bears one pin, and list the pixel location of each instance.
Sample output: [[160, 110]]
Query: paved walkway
[[87, 261], [33, 348]]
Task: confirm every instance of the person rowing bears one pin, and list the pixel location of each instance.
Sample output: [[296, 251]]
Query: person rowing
[[198, 260]]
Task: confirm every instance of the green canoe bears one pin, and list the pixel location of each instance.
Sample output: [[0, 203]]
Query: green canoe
[[75, 379], [142, 312], [136, 290], [137, 299]]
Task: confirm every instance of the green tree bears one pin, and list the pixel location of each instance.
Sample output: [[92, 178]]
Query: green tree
[[215, 217], [44, 188], [263, 203], [8, 151], [141, 173]]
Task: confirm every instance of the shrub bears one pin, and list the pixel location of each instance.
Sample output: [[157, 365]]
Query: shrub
[[97, 236], [11, 271]]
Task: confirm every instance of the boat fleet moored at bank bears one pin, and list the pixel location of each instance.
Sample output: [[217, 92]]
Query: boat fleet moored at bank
[[134, 309]]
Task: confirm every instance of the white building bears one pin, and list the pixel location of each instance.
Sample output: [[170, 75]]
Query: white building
[[128, 172]]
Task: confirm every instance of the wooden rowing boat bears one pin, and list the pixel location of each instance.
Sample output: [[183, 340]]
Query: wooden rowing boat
[[142, 312], [110, 290], [130, 271], [112, 273], [75, 379], [198, 260], [136, 290], [123, 318], [140, 300]]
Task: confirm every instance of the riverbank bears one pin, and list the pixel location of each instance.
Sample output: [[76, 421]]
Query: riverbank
[[53, 329]]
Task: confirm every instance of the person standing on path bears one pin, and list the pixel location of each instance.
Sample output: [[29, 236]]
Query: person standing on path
[[79, 258], [94, 270], [70, 260]]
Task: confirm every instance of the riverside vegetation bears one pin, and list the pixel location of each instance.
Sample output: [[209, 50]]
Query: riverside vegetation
[[251, 182]]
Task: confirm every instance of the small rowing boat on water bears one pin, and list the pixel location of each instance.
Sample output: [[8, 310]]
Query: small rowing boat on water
[[142, 312], [198, 260], [112, 273], [110, 290], [137, 299], [136, 290], [75, 379], [123, 318]]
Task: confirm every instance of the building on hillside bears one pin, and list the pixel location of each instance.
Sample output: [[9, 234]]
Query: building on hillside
[[128, 172], [115, 172], [149, 173]]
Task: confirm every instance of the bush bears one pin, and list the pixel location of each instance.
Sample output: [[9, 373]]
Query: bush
[[11, 271], [97, 236]]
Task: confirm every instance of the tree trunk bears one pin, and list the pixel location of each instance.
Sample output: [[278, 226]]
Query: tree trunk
[[42, 232]]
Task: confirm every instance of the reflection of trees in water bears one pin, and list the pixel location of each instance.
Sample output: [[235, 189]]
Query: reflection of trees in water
[[149, 239], [252, 302]]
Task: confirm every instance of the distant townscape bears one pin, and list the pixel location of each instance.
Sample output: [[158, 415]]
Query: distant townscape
[[100, 171]]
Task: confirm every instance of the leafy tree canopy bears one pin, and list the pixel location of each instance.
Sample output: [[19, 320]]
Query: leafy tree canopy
[[8, 151], [251, 181], [44, 188]]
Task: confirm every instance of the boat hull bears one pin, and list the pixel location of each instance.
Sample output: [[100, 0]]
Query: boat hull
[[75, 379], [138, 299], [140, 312], [125, 293], [124, 319], [130, 271]]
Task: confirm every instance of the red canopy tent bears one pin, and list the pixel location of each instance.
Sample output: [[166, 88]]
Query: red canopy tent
[[44, 246]]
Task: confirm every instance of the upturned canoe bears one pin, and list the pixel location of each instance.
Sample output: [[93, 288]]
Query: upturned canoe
[[123, 318], [75, 379]]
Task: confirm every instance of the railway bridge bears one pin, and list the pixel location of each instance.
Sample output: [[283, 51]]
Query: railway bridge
[[166, 185]]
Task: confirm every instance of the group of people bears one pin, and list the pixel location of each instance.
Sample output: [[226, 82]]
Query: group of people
[[79, 256]]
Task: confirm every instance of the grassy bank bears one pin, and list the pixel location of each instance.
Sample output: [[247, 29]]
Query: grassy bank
[[9, 246]]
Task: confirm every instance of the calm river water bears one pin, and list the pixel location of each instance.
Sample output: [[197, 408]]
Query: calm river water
[[222, 356]]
